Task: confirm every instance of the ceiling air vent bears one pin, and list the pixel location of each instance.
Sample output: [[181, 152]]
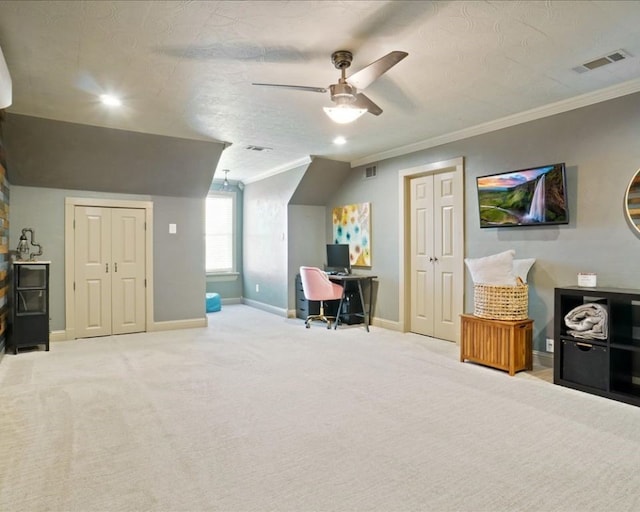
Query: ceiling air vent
[[602, 61], [370, 172], [258, 148]]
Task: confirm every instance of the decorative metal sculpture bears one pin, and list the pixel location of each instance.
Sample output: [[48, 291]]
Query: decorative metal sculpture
[[23, 246]]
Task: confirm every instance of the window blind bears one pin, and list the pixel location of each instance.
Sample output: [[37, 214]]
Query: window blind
[[219, 233]]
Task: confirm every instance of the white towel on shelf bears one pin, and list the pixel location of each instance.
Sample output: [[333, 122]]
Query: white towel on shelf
[[587, 321]]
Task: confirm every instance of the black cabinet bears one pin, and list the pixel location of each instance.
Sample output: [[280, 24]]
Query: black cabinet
[[351, 305], [608, 367], [304, 307], [29, 305]]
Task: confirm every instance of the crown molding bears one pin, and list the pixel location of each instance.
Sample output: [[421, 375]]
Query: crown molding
[[584, 100], [278, 170]]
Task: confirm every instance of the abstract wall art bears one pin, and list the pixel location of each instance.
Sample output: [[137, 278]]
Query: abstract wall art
[[352, 225]]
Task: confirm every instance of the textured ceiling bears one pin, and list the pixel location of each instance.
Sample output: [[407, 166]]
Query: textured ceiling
[[185, 69]]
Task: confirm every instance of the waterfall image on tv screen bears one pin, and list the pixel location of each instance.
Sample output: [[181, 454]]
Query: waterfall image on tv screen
[[527, 197]]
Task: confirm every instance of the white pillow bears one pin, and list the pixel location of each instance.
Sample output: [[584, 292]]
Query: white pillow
[[494, 269], [521, 267]]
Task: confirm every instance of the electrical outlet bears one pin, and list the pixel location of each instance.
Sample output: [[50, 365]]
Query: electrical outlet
[[549, 344], [257, 288]]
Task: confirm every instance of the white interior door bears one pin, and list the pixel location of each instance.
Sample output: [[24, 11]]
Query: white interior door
[[109, 271], [127, 278], [92, 279], [448, 279], [436, 281], [422, 253]]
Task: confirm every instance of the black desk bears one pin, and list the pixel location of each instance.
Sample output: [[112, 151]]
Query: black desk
[[359, 279]]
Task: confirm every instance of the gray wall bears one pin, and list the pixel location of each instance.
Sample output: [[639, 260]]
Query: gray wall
[[382, 193], [307, 243], [265, 237], [50, 160], [599, 145], [178, 259]]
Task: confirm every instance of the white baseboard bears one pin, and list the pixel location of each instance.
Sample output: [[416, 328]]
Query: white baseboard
[[170, 325], [387, 324], [378, 322], [173, 325], [202, 322], [542, 358], [58, 336], [265, 307], [234, 300]]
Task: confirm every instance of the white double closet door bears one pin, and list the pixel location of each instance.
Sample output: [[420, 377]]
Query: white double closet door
[[436, 256], [110, 272]]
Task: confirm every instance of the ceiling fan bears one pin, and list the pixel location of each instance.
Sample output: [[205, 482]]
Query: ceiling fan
[[350, 103]]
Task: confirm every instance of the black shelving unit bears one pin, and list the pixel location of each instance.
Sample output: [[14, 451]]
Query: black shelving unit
[[29, 305], [607, 367]]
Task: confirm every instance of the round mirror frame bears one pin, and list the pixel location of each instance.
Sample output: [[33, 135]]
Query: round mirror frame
[[632, 202]]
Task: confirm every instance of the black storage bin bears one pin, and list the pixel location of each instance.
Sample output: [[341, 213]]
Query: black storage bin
[[584, 363]]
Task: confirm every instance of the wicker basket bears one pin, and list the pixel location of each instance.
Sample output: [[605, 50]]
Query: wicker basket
[[498, 302]]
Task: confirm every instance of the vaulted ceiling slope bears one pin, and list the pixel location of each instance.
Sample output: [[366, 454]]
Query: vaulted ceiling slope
[[56, 154], [320, 181], [185, 68]]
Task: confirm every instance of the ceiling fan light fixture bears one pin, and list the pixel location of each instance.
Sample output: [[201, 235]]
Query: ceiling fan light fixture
[[344, 114]]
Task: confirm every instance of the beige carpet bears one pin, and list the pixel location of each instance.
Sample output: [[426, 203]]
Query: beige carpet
[[256, 413]]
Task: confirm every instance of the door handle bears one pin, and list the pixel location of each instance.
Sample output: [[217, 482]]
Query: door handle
[[106, 270], [115, 267]]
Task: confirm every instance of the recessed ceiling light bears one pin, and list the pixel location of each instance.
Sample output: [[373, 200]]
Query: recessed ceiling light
[[340, 141], [110, 100]]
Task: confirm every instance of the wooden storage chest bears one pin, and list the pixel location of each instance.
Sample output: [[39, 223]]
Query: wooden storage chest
[[502, 344]]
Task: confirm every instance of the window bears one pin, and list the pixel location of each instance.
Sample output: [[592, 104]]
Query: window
[[220, 232]]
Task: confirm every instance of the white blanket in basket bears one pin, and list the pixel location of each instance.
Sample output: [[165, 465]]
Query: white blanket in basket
[[587, 321]]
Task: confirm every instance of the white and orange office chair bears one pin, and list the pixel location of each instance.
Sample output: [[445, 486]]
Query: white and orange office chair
[[317, 286]]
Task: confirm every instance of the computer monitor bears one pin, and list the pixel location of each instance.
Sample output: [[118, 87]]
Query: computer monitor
[[338, 258]]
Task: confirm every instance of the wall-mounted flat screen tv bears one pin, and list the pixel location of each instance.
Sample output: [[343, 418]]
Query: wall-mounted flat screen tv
[[528, 197]]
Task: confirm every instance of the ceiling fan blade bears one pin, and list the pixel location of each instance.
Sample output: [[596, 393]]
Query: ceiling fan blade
[[363, 101], [298, 87], [366, 76]]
